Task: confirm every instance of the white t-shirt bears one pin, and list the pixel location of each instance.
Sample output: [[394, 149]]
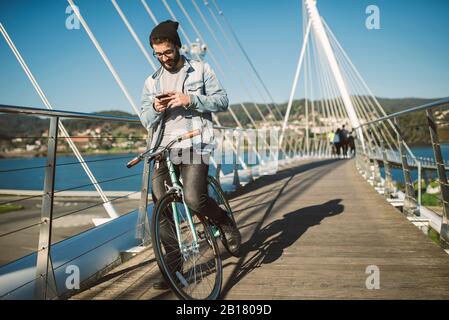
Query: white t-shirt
[[175, 118]]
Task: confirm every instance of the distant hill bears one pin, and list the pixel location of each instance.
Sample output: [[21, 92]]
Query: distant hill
[[12, 126], [396, 105], [389, 105], [22, 126]]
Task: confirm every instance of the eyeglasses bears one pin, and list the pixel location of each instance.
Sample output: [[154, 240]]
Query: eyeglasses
[[167, 53]]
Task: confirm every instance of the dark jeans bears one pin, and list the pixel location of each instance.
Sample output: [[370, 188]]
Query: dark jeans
[[345, 148], [338, 147], [194, 180]]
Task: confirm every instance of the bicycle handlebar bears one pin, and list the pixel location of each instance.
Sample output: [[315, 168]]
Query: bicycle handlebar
[[133, 162], [185, 136], [189, 134]]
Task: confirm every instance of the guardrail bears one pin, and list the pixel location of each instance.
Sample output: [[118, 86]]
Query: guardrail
[[374, 154], [248, 161], [45, 281]]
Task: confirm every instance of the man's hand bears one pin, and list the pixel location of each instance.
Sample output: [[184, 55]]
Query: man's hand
[[178, 99], [160, 105]]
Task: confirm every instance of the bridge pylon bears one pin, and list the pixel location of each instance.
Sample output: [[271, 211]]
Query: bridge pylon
[[323, 39]]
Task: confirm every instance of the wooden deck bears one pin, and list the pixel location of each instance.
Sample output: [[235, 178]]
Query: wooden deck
[[309, 232]]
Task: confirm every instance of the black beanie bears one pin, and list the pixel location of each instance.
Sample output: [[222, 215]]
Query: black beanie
[[167, 30]]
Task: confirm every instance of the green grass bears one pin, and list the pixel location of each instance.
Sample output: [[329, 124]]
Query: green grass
[[434, 236], [430, 200], [434, 184], [423, 185], [4, 208]]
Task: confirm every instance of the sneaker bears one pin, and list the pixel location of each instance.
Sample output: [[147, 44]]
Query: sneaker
[[231, 237], [161, 284]]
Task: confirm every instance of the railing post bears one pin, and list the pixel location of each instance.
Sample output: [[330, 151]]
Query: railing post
[[274, 151], [444, 233], [419, 184], [319, 148], [388, 187], [410, 205], [220, 154], [328, 147], [285, 145], [143, 225], [292, 146], [248, 151], [297, 146], [302, 147], [377, 174], [364, 161], [290, 143], [374, 167], [45, 278], [358, 161], [236, 180]]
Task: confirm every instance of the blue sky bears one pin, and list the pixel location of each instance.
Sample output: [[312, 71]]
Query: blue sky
[[407, 57]]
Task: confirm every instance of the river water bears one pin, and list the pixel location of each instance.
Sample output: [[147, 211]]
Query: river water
[[70, 174]]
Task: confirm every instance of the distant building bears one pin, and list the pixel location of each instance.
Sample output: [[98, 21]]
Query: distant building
[[80, 139]]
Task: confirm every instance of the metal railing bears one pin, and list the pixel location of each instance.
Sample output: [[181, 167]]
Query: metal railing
[[374, 154], [245, 159], [45, 282]]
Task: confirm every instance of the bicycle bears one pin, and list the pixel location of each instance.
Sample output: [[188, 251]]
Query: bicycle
[[187, 251]]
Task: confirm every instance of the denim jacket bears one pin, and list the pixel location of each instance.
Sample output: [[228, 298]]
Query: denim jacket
[[206, 96]]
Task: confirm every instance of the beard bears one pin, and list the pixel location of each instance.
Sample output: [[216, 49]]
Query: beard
[[171, 64]]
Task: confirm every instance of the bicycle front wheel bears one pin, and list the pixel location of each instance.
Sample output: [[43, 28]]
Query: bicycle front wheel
[[188, 259]]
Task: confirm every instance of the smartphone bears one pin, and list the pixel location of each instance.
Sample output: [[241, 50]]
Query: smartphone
[[163, 96]]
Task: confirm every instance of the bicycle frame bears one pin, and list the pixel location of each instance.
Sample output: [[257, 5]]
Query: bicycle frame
[[176, 215]]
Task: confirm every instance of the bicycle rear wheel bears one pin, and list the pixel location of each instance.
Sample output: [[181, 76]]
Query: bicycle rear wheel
[[194, 270], [216, 193]]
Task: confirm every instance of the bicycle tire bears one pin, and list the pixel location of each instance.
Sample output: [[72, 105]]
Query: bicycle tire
[[219, 197], [182, 274]]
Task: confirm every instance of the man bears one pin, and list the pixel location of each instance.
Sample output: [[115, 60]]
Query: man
[[337, 141], [192, 92], [351, 144], [344, 140]]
